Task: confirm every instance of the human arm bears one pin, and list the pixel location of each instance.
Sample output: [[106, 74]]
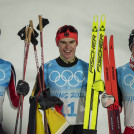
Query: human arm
[[15, 92], [13, 95]]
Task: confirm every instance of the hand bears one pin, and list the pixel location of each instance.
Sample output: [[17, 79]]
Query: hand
[[107, 100], [32, 99], [98, 86], [47, 101], [22, 88]]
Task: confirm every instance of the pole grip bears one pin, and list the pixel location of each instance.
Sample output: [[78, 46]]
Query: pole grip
[[29, 34], [31, 25], [40, 23], [26, 34]]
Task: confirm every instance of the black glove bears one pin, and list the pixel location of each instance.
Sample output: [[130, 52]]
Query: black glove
[[22, 88], [32, 99], [47, 101]]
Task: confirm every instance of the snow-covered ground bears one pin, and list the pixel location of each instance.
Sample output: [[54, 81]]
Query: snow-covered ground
[[15, 14]]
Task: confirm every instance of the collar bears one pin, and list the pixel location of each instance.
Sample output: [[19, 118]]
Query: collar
[[132, 62], [63, 63]]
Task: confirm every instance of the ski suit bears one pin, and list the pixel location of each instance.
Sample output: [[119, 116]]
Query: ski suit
[[7, 83], [68, 82], [125, 78]]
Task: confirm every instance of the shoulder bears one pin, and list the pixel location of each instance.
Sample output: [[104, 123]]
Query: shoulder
[[83, 63], [50, 63], [124, 67], [2, 61], [6, 64]]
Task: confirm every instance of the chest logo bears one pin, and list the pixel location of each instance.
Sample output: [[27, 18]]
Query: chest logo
[[67, 77], [2, 75], [129, 81]]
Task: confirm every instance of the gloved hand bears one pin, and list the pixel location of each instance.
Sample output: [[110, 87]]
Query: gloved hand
[[32, 99], [98, 86], [22, 88], [107, 100], [47, 101]]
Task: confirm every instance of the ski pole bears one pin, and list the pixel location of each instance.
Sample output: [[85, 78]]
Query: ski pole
[[36, 58], [42, 23], [26, 50], [25, 64], [23, 34], [39, 79], [42, 56], [33, 106], [20, 108]]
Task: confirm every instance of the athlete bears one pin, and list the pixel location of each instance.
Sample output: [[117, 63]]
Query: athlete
[[66, 78], [125, 75], [8, 83]]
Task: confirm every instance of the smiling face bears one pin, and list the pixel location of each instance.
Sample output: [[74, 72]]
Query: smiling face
[[67, 48]]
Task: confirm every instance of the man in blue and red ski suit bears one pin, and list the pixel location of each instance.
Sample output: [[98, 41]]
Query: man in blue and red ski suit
[[125, 83], [8, 83]]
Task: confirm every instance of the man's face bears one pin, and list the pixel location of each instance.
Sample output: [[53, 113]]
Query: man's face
[[67, 48]]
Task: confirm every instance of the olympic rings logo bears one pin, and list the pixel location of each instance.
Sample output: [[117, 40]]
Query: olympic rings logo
[[67, 77], [129, 81], [2, 75]]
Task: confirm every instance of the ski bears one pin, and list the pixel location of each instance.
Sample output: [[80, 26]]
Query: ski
[[108, 85], [91, 70], [111, 86], [114, 86], [98, 73]]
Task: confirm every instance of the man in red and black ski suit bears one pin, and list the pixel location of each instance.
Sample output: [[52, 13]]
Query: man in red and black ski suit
[[7, 83], [125, 83]]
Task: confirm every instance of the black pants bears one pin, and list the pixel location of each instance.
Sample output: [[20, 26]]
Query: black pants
[[74, 129]]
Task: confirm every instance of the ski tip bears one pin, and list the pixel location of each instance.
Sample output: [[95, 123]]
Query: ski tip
[[111, 37], [105, 43], [103, 18], [102, 23], [95, 21], [111, 42], [95, 18], [95, 26], [103, 15], [105, 38]]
